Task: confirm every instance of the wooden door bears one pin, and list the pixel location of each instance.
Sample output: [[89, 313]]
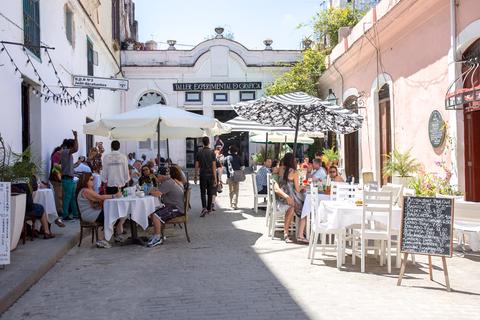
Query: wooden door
[[472, 132], [385, 137], [25, 115]]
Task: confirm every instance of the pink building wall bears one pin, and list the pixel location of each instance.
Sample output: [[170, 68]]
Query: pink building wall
[[413, 38]]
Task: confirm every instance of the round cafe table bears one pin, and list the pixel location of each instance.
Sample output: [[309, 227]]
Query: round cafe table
[[46, 198], [137, 208]]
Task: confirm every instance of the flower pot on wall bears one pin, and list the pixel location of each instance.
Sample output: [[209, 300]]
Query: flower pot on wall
[[404, 181], [17, 218]]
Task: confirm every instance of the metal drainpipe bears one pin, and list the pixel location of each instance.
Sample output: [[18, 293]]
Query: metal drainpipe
[[454, 114]]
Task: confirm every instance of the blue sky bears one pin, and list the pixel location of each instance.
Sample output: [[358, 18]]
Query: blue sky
[[251, 21]]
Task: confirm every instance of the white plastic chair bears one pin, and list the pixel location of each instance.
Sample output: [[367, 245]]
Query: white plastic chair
[[374, 203], [318, 228], [341, 191], [397, 192], [268, 213], [257, 195]]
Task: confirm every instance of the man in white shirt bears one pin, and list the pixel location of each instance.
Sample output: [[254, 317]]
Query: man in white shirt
[[319, 173], [115, 169], [82, 167]]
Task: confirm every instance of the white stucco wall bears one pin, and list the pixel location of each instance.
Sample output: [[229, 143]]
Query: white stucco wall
[[52, 122]]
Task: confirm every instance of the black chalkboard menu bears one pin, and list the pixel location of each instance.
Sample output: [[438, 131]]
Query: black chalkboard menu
[[427, 226]]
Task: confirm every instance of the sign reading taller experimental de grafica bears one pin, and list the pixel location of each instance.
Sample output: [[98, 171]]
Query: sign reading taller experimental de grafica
[[217, 86]]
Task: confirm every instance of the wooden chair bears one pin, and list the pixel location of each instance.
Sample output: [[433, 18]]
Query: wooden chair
[[374, 203], [181, 219], [93, 226], [257, 195]]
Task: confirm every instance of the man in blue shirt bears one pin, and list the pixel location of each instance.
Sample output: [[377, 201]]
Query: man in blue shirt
[[319, 173], [262, 176]]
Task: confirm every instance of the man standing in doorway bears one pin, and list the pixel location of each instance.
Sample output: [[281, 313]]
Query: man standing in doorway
[[70, 146], [115, 169], [206, 164]]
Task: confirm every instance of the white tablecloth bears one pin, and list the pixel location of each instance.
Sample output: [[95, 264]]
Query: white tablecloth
[[307, 204], [46, 198], [138, 208], [341, 214]]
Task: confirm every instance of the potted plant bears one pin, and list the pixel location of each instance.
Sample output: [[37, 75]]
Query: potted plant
[[330, 156], [16, 168], [401, 167]]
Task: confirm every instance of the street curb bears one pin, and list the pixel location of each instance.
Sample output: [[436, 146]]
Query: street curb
[[7, 299]]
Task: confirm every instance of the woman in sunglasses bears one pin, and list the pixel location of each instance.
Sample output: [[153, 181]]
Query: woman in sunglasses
[[90, 204], [147, 177], [334, 176]]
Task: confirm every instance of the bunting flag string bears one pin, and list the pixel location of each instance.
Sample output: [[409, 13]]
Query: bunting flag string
[[45, 92]]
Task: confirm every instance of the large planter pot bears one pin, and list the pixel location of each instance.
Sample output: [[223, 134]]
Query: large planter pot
[[404, 181], [17, 218]]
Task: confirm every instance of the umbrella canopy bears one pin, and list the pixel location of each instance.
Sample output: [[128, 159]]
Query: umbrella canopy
[[219, 128], [300, 111], [242, 124], [279, 137], [156, 120]]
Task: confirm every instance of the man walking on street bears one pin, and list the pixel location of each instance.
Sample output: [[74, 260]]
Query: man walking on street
[[115, 169], [206, 164], [68, 184]]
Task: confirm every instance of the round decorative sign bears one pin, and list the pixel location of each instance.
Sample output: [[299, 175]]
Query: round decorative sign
[[436, 129]]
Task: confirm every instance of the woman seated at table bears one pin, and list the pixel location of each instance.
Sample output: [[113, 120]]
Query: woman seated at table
[[90, 204], [334, 176], [290, 183], [171, 191], [147, 177]]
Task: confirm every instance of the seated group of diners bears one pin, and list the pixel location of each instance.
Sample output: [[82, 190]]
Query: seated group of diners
[[289, 187], [168, 185]]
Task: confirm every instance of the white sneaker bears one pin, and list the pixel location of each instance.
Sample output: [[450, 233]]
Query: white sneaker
[[103, 244], [155, 241]]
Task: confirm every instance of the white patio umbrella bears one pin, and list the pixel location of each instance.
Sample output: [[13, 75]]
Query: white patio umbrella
[[147, 122], [219, 128]]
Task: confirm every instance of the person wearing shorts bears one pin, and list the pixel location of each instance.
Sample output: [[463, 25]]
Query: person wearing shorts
[[171, 191]]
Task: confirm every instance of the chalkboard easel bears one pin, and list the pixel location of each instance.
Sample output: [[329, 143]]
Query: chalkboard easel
[[427, 228]]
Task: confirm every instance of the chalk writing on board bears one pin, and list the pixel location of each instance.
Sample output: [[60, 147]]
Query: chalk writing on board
[[427, 226]]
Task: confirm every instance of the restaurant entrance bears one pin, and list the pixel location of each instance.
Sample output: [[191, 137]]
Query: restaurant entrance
[[472, 130], [385, 128], [351, 144], [238, 138]]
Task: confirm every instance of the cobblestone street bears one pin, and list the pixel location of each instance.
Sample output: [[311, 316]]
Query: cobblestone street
[[231, 270]]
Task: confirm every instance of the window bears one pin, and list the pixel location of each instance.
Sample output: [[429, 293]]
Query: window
[[220, 97], [31, 25], [69, 24], [247, 95], [147, 144], [193, 96], [149, 98], [116, 20], [90, 64]]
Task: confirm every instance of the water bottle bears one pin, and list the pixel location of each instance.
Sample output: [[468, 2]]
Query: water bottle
[[145, 188]]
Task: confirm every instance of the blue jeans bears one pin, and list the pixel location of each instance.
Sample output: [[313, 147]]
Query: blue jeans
[[69, 201]]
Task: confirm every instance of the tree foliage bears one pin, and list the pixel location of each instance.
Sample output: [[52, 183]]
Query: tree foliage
[[302, 77], [327, 22], [305, 73]]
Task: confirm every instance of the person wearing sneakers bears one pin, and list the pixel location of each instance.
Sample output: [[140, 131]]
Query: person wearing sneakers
[[206, 164], [90, 204], [171, 190]]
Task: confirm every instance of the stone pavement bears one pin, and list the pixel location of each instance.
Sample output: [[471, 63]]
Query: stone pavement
[[232, 271]]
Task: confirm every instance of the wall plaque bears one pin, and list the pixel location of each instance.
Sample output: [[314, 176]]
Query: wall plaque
[[436, 129], [217, 86]]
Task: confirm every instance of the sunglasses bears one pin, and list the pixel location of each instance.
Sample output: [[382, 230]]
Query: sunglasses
[[333, 171], [91, 179]]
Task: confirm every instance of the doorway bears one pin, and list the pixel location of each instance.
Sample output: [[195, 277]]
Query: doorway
[[88, 139], [25, 116], [385, 129], [192, 146], [352, 144], [472, 130]]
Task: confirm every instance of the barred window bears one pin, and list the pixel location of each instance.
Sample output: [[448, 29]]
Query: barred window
[[31, 25]]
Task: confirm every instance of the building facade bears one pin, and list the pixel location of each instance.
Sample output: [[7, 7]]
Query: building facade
[[44, 44], [207, 80], [396, 68]]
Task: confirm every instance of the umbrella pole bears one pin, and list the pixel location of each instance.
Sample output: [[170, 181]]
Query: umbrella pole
[[158, 140], [168, 150], [266, 146], [296, 136]]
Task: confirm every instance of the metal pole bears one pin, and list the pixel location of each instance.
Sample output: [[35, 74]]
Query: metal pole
[[168, 150], [296, 134], [266, 146], [158, 140]]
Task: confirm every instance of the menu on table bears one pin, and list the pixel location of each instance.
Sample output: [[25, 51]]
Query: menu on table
[[5, 192]]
